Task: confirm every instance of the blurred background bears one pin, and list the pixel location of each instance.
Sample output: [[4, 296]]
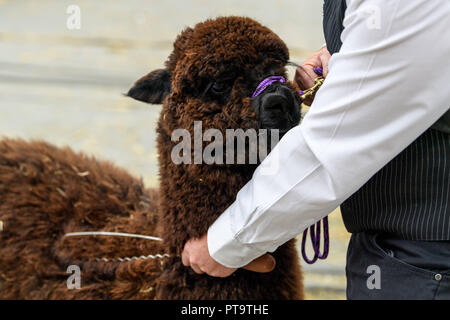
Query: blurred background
[[65, 85]]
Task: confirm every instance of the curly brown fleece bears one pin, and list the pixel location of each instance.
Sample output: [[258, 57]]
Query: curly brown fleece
[[46, 192]]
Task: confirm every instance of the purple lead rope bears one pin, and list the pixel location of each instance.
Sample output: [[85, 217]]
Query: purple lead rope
[[315, 240], [314, 234], [318, 71]]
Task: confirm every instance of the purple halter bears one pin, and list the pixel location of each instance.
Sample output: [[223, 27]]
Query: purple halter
[[272, 79], [315, 233], [266, 83]]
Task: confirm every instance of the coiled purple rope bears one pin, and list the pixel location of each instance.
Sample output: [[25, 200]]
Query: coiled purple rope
[[314, 233], [315, 240]]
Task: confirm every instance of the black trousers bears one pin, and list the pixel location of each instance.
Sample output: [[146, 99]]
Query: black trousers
[[386, 268]]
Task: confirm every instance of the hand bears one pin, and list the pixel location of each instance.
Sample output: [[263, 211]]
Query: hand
[[305, 75], [196, 255]]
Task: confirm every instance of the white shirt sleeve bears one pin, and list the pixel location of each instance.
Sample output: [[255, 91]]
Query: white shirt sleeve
[[387, 85]]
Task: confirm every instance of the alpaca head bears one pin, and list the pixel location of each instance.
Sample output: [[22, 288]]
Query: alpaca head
[[212, 73]]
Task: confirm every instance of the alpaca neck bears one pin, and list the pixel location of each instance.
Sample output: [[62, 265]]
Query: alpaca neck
[[193, 196]]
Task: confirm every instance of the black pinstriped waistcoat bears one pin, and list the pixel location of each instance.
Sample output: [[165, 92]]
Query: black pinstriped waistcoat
[[410, 196]]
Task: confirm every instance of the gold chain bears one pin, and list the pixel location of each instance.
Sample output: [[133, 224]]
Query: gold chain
[[312, 91]]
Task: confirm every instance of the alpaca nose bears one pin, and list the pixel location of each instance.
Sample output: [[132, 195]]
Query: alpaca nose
[[275, 103]]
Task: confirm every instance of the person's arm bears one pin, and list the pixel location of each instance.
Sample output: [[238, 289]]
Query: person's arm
[[384, 88]]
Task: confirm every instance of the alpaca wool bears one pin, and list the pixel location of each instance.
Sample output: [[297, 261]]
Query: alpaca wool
[[47, 192]]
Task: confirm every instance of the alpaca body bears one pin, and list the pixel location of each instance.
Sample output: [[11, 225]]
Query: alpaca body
[[47, 192]]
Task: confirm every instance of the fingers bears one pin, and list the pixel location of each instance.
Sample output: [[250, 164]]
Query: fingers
[[305, 75], [196, 255], [196, 269], [185, 256], [325, 59], [309, 68], [303, 78], [186, 259], [188, 263]]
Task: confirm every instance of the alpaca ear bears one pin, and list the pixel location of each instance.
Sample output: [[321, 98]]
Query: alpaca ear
[[152, 88]]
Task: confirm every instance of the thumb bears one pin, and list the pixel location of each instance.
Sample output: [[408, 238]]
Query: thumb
[[263, 264]]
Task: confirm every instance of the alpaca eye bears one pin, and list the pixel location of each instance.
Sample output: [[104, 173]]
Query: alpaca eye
[[219, 87]]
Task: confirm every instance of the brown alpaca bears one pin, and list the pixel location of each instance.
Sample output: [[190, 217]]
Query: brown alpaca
[[46, 192]]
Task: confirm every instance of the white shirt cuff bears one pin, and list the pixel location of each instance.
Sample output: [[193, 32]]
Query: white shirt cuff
[[225, 247]]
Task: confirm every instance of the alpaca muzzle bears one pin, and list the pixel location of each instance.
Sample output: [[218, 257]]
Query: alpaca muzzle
[[277, 105]]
